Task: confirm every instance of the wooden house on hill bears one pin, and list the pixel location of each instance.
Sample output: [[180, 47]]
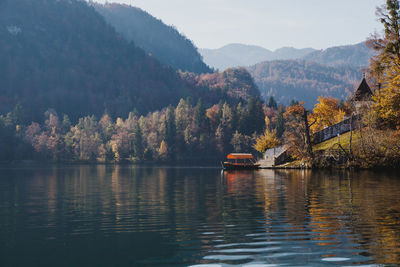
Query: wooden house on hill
[[362, 96]]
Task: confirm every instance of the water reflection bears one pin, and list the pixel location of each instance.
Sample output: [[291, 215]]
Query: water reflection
[[123, 215]]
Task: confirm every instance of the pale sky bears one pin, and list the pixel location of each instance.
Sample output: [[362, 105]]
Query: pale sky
[[268, 23]]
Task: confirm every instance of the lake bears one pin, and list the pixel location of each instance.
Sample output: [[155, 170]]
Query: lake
[[144, 216]]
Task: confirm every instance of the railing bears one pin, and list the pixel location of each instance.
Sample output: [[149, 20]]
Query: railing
[[339, 128]]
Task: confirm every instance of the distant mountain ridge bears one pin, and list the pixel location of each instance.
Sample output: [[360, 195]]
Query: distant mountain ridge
[[238, 55], [356, 55], [300, 80], [235, 55], [149, 33], [329, 72]]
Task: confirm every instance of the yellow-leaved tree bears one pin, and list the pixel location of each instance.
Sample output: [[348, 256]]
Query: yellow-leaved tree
[[266, 141], [387, 98], [325, 113]]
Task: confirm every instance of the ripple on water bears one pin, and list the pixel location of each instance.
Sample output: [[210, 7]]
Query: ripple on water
[[265, 219], [227, 257], [246, 250], [335, 259], [266, 243]]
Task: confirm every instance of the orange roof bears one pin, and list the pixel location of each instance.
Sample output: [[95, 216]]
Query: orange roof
[[239, 156]]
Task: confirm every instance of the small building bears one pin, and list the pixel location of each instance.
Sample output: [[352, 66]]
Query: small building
[[362, 96]]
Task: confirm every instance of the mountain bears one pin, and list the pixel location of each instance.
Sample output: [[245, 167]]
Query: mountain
[[290, 53], [300, 80], [62, 54], [235, 55], [357, 55], [151, 34], [330, 72]]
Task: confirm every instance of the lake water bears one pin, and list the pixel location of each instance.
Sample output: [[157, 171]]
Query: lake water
[[143, 216]]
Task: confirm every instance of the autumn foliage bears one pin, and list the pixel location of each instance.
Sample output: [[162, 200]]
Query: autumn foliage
[[294, 135], [387, 99], [325, 113], [186, 132], [267, 141]]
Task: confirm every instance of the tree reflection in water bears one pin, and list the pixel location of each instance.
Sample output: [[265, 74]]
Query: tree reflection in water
[[181, 216]]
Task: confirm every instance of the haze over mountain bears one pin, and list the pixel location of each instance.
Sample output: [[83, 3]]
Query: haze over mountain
[[149, 33], [235, 55], [300, 80], [357, 55], [63, 55]]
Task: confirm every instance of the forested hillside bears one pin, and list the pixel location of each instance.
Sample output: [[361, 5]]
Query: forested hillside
[[357, 55], [231, 85], [151, 34], [288, 80], [63, 55]]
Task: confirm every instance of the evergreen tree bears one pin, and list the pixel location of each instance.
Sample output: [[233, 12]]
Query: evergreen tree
[[255, 117], [272, 103], [235, 118], [66, 124], [170, 130], [18, 114], [137, 141], [280, 122], [200, 114], [241, 114]]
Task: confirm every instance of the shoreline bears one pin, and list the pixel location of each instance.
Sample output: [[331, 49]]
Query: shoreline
[[28, 163]]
